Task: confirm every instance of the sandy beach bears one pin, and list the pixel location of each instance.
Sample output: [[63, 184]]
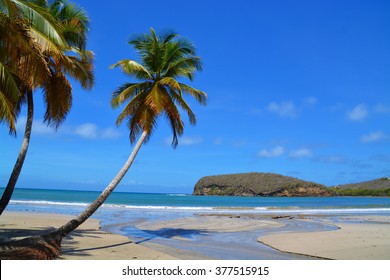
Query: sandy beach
[[368, 239], [86, 242], [362, 238]]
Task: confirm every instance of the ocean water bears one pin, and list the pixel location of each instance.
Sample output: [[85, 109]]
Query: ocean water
[[123, 211], [53, 199]]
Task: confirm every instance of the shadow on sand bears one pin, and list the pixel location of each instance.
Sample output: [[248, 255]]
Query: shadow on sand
[[70, 246], [172, 233]]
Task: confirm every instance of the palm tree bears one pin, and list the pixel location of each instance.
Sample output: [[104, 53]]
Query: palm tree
[[9, 90], [22, 64], [59, 34], [19, 59], [164, 60]]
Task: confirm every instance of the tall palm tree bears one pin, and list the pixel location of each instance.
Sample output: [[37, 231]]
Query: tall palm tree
[[58, 31], [20, 58], [164, 60], [9, 90]]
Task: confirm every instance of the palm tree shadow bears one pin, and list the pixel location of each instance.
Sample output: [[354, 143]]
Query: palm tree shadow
[[7, 235], [169, 233], [70, 246]]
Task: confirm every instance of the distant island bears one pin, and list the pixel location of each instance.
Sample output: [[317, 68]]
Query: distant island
[[270, 184]]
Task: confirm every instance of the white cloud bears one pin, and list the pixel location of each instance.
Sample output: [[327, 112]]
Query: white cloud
[[332, 159], [38, 127], [311, 100], [218, 141], [185, 141], [271, 153], [382, 109], [255, 111], [21, 123], [87, 130], [239, 143], [300, 153], [358, 113], [92, 131], [41, 128], [373, 137], [283, 109], [336, 107], [109, 133]]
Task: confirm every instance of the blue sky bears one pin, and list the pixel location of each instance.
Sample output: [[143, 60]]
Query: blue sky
[[299, 88]]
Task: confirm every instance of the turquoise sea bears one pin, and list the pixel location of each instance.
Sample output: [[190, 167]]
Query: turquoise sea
[[54, 200], [122, 211]]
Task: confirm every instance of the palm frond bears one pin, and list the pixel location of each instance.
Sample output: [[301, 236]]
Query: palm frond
[[40, 18], [74, 20], [184, 67], [156, 99], [199, 95], [135, 103], [20, 52], [168, 37], [127, 91], [178, 98], [8, 7], [9, 94], [57, 94], [177, 126], [170, 83], [177, 50], [133, 69], [40, 47], [49, 47], [81, 68], [143, 119]]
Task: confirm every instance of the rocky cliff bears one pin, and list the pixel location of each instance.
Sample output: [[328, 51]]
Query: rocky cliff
[[258, 184]]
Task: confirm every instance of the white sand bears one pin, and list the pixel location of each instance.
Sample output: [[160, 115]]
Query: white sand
[[364, 241]]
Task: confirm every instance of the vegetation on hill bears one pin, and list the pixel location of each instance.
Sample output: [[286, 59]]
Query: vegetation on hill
[[258, 184], [269, 184], [378, 187]]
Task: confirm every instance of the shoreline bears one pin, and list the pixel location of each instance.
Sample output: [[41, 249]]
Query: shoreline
[[88, 242], [357, 237], [368, 238]]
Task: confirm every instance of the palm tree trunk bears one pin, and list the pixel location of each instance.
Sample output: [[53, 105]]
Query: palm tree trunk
[[22, 155], [64, 230]]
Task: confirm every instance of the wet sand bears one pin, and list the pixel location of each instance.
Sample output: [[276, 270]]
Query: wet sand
[[302, 236], [216, 237], [367, 239]]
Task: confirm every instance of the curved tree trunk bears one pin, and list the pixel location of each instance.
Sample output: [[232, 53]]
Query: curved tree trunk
[[49, 246], [64, 230], [22, 155]]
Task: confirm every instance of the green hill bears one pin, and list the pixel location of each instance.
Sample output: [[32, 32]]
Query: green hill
[[258, 184], [378, 187]]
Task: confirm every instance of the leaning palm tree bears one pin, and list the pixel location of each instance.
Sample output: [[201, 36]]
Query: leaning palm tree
[[158, 92], [58, 30]]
